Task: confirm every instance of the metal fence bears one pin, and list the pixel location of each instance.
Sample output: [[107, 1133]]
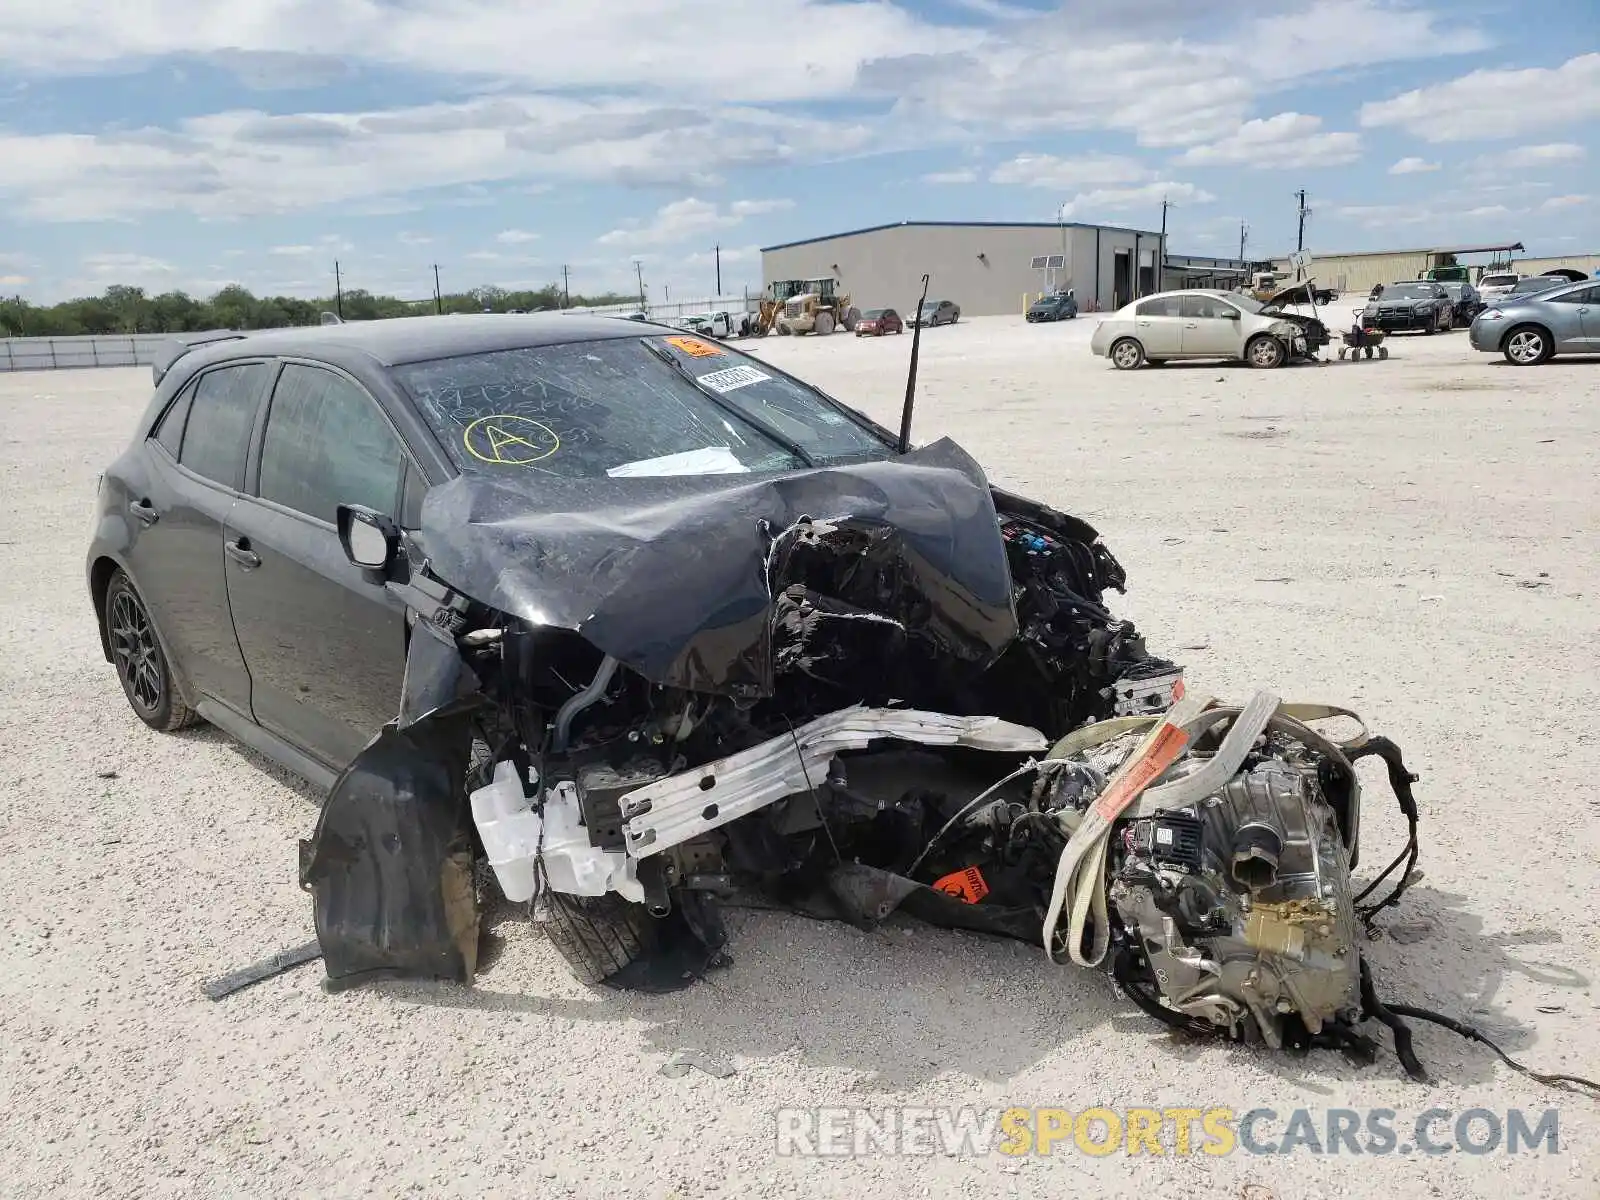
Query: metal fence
[[668, 313], [90, 350], [138, 349]]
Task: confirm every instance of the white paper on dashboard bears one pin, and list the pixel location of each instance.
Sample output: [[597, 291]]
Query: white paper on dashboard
[[711, 460]]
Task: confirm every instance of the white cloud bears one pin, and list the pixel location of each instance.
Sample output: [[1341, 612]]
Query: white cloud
[[691, 217], [1413, 166], [291, 251], [1495, 103], [794, 50], [1489, 210], [1556, 203], [966, 175], [243, 163], [407, 238], [516, 237], [1289, 139], [13, 280], [1549, 154], [1150, 195], [1046, 170], [1099, 66]]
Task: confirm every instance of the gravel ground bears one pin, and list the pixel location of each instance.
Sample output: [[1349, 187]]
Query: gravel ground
[[1415, 538]]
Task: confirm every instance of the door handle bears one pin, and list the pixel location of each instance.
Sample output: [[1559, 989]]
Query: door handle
[[241, 553], [1191, 324], [143, 511]]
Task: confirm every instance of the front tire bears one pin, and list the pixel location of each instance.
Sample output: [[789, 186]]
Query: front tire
[[142, 666], [824, 325], [1127, 354], [1528, 346], [1264, 352], [596, 935]]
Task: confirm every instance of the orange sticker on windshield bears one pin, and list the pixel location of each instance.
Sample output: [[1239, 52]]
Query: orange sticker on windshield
[[967, 885], [695, 348]]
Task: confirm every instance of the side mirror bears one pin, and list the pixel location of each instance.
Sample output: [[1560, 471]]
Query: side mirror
[[1232, 314], [371, 540]]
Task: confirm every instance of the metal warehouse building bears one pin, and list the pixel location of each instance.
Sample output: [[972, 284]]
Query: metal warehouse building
[[987, 267], [1359, 271]]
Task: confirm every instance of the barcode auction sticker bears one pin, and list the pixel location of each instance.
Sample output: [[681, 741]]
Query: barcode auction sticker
[[733, 377]]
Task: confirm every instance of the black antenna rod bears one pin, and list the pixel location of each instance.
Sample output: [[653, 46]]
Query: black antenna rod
[[911, 379]]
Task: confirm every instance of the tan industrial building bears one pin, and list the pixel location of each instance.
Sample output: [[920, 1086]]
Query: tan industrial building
[[986, 267], [1359, 271]]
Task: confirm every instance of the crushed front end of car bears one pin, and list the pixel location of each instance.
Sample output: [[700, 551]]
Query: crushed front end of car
[[850, 691]]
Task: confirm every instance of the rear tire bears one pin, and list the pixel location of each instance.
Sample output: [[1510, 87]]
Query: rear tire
[[1127, 354], [141, 662], [596, 935]]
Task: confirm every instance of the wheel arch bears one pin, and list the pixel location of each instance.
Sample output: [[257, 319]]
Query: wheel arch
[[101, 572]]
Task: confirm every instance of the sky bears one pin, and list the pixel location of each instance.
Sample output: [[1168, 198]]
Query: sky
[[190, 144]]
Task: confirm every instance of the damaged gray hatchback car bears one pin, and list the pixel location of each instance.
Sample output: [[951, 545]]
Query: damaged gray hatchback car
[[630, 623]]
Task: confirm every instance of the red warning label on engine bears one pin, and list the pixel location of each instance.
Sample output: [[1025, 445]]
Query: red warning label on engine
[[967, 884], [1162, 752]]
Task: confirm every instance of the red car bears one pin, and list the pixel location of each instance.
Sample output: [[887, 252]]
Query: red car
[[876, 322]]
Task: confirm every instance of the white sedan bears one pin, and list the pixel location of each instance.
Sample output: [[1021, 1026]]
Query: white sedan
[[1197, 324]]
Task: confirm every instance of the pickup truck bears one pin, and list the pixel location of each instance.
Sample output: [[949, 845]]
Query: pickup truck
[[717, 324]]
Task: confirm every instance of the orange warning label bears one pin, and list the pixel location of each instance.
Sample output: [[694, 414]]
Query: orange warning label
[[1177, 691], [1139, 774], [695, 348], [967, 884]]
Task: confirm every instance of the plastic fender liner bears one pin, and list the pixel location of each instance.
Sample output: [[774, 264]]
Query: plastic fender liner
[[390, 864]]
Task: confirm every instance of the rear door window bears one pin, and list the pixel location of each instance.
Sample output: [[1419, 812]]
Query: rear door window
[[169, 430], [217, 433], [328, 443], [1161, 306]]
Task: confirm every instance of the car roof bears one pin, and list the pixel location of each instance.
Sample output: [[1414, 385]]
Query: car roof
[[399, 340]]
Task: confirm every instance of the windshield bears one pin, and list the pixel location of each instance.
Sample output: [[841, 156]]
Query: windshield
[[1248, 303], [622, 407], [1410, 291], [872, 314], [931, 305], [1497, 281], [1538, 283]]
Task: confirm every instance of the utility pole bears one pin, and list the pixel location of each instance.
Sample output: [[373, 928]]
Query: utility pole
[[1244, 238], [1162, 249], [719, 271], [438, 296], [638, 269], [338, 291], [1304, 213], [566, 290]]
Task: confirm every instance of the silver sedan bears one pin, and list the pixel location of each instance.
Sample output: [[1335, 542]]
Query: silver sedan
[[1196, 324], [1533, 328]]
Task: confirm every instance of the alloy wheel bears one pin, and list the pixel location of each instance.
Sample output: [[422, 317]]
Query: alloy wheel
[[1525, 346], [138, 657]]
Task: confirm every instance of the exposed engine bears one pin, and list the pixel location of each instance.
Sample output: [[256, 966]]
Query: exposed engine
[[1238, 908]]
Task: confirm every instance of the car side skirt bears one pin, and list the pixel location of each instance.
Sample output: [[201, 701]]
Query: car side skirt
[[269, 745]]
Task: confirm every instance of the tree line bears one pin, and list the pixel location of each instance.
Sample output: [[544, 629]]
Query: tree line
[[122, 309]]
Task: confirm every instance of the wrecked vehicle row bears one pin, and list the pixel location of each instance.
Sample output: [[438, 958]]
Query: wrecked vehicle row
[[679, 628]]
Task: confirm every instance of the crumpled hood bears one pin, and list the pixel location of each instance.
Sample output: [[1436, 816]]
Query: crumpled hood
[[669, 575]]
